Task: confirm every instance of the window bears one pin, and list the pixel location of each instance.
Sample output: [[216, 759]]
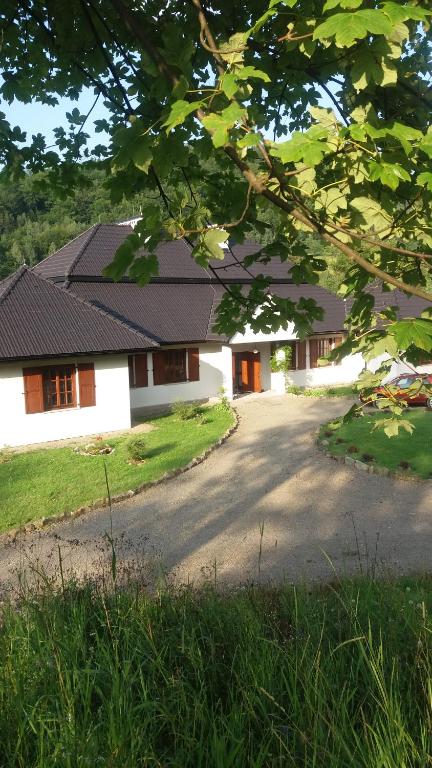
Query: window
[[175, 365], [138, 375], [58, 387], [320, 347], [53, 387]]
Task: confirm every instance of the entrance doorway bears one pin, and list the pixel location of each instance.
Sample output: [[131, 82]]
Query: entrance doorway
[[246, 372]]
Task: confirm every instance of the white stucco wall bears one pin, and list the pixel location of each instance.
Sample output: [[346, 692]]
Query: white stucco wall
[[397, 368], [111, 412], [344, 373], [215, 365]]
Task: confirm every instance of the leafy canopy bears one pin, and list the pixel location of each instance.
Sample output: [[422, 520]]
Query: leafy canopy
[[316, 109]]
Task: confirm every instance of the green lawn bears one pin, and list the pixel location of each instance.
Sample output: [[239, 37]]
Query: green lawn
[[47, 482], [260, 678], [344, 390], [416, 449]]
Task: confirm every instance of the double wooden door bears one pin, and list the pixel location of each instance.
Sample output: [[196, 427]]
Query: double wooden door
[[247, 371]]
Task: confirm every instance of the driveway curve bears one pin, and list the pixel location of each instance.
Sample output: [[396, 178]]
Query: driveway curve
[[266, 505]]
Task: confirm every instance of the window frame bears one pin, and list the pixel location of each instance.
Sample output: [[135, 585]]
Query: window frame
[[333, 342], [46, 379], [174, 367]]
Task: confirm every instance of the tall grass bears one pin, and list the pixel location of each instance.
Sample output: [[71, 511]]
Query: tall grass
[[260, 677]]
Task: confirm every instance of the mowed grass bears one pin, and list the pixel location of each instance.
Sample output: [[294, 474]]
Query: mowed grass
[[262, 678], [51, 481], [415, 449]]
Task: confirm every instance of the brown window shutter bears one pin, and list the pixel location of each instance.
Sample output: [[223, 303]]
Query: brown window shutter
[[87, 386], [313, 352], [33, 390], [131, 371], [159, 368], [301, 355], [141, 375], [193, 364]]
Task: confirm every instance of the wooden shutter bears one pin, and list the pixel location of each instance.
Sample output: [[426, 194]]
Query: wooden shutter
[[159, 368], [193, 364], [141, 375], [87, 386], [301, 355], [33, 390], [131, 371], [313, 352]]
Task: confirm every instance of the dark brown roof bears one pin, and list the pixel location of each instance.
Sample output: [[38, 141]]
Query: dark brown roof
[[39, 319], [168, 313], [406, 304], [88, 254], [93, 314]]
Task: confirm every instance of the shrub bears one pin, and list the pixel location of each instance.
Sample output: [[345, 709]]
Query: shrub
[[293, 389], [5, 455], [136, 448], [184, 411], [224, 403]]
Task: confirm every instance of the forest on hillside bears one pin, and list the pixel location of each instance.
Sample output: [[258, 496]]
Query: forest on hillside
[[35, 221]]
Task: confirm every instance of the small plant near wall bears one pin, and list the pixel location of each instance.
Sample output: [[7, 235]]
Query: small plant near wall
[[184, 411], [5, 454], [224, 403], [281, 359], [137, 449]]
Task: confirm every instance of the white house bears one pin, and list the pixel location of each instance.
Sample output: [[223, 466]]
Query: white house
[[80, 354]]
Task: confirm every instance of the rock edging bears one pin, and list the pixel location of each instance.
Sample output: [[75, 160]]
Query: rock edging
[[362, 466], [43, 522]]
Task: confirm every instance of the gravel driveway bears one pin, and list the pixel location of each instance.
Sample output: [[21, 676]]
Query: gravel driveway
[[267, 485]]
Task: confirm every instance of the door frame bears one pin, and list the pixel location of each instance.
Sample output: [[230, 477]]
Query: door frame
[[246, 371]]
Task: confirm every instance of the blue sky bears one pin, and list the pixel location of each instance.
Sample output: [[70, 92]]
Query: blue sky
[[39, 118]]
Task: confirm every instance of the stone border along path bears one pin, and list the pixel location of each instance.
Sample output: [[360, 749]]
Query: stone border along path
[[373, 469], [316, 519]]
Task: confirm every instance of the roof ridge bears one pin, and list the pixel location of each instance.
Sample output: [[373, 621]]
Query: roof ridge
[[15, 279], [81, 250], [64, 246], [88, 304]]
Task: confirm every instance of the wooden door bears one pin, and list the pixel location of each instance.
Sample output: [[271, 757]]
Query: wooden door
[[246, 372], [256, 373]]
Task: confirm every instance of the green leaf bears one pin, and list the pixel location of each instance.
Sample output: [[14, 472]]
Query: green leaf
[[250, 140], [425, 179], [330, 4], [371, 213], [218, 124], [142, 154], [390, 174], [209, 246], [346, 28], [181, 88], [398, 12], [179, 112], [413, 330], [213, 239], [232, 51], [426, 143], [371, 67], [230, 79], [391, 426], [309, 147]]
